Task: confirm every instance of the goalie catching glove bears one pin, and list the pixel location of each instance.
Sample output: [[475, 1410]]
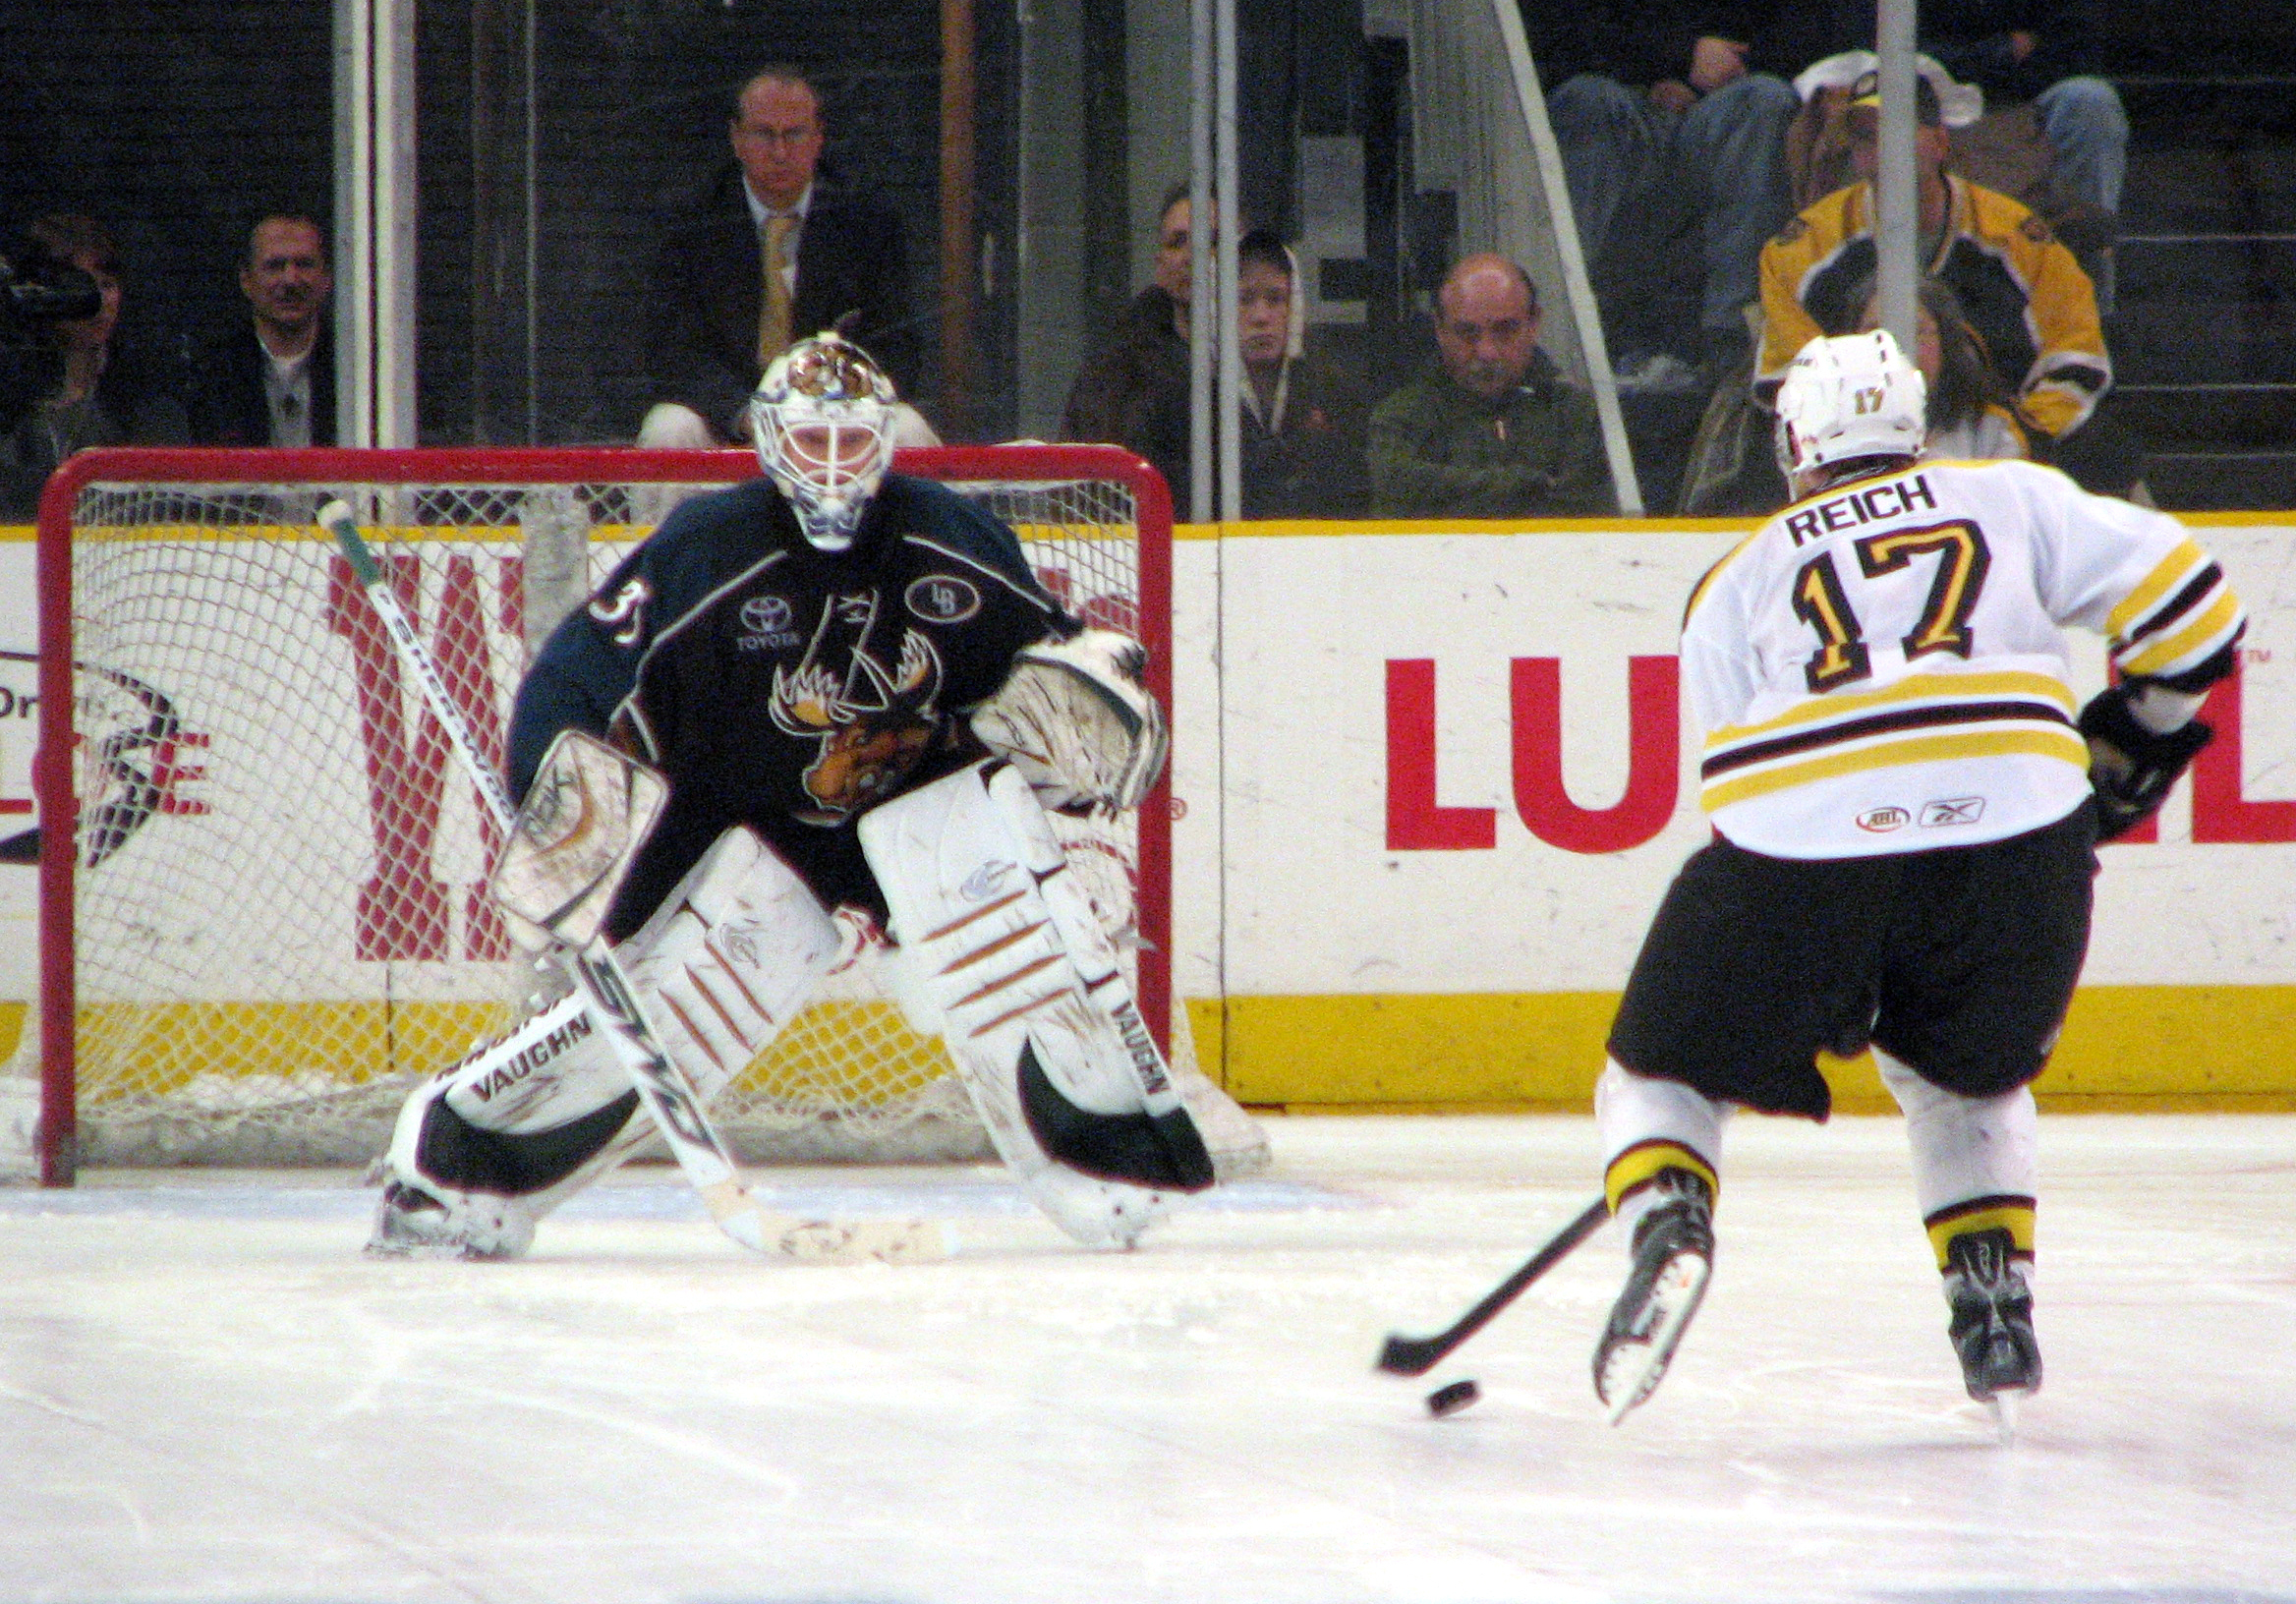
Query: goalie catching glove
[[2131, 768], [1077, 721]]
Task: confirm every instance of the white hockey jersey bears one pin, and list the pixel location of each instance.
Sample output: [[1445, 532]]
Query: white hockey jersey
[[1878, 668]]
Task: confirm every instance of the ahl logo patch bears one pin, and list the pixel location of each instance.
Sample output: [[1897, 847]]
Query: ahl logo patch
[[943, 598], [1882, 821]]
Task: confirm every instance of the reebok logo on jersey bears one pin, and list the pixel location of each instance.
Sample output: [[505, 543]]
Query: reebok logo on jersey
[[1882, 821], [1955, 810]]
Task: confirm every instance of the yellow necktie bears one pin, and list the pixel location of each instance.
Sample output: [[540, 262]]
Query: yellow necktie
[[774, 307]]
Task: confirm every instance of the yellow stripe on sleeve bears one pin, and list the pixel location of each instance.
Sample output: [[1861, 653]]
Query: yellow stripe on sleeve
[[2180, 564], [2188, 641]]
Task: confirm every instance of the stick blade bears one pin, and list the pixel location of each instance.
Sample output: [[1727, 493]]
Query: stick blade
[[1409, 1355], [859, 1241]]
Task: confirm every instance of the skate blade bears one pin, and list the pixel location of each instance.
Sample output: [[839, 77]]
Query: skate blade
[[2005, 1407], [1633, 1367]]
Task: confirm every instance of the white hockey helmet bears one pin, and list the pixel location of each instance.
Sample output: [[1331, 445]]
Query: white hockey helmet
[[1850, 396], [823, 420]]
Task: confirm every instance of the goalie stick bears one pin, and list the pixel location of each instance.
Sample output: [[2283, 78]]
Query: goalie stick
[[663, 1086], [1417, 1356]]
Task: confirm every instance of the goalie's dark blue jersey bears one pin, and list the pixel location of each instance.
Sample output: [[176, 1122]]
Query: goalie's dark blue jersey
[[783, 687]]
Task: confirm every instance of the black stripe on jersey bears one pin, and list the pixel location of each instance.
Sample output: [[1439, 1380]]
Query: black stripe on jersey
[[1885, 724], [2201, 584]]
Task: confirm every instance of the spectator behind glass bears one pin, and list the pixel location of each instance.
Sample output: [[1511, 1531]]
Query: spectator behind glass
[[89, 387], [1491, 430], [2027, 301], [716, 319], [1971, 414], [1133, 392], [1671, 118], [270, 380], [1302, 424]]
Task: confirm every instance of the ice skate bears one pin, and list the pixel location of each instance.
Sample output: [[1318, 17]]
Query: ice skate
[[415, 1223], [1674, 1255], [1993, 1320]]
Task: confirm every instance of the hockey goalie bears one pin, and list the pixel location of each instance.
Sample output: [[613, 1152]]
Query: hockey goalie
[[862, 702]]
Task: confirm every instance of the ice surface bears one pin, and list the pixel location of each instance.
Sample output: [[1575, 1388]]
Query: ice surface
[[206, 1394]]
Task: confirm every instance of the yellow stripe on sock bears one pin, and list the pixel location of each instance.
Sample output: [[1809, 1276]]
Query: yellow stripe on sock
[[1638, 1164], [1986, 1214]]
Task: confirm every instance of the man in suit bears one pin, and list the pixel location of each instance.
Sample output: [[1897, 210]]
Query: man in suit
[[719, 316], [272, 382]]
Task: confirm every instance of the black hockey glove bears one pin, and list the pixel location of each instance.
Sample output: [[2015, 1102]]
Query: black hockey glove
[[2130, 768]]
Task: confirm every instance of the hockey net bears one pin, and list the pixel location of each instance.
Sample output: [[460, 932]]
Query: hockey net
[[273, 904]]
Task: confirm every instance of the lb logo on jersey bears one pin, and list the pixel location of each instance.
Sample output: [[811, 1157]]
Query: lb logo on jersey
[[764, 622], [943, 598], [1882, 821], [874, 724]]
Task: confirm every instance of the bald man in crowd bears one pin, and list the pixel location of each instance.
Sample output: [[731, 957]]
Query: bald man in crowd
[[780, 251], [1492, 430]]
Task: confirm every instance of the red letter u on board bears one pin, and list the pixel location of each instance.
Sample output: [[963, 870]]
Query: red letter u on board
[[1653, 760]]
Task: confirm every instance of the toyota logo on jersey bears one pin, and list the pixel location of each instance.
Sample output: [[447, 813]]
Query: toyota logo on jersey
[[764, 622]]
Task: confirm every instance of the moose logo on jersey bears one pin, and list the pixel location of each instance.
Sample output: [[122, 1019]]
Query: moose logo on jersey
[[874, 724]]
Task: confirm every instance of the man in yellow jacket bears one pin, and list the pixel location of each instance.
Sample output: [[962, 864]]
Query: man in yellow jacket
[[2032, 309]]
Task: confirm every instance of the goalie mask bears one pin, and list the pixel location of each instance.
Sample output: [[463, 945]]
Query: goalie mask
[[824, 421], [1850, 396]]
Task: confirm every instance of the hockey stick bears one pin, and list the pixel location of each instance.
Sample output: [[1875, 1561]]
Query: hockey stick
[[663, 1086], [1417, 1356]]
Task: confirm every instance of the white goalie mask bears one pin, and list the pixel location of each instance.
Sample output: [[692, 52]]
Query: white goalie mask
[[1850, 396], [823, 420]]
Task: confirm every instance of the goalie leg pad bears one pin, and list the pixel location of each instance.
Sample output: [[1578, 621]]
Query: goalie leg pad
[[485, 1150], [1046, 1064], [732, 955]]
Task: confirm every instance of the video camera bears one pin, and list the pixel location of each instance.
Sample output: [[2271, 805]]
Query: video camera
[[36, 287]]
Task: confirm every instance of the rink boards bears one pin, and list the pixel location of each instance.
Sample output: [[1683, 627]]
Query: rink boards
[[1435, 781], [1430, 781]]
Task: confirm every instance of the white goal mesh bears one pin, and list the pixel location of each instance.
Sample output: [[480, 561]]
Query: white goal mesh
[[275, 897]]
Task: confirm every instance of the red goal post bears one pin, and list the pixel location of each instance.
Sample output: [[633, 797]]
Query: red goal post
[[269, 921]]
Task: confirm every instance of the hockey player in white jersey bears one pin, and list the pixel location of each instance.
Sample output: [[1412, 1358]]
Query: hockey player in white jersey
[[1906, 797]]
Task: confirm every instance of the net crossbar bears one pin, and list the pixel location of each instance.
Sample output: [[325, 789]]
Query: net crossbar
[[275, 899]]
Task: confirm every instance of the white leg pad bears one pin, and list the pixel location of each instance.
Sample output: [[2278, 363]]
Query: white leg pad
[[725, 964], [1043, 1054], [730, 958], [1963, 1147], [551, 1068], [1631, 1109]]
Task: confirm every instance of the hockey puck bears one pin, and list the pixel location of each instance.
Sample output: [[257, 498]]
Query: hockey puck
[[1451, 1399]]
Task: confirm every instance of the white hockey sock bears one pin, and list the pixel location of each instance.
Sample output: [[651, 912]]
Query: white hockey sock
[[1974, 1162], [1646, 1125]]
